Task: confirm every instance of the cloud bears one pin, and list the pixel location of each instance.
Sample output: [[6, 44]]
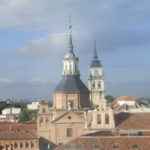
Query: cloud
[[47, 45], [121, 28]]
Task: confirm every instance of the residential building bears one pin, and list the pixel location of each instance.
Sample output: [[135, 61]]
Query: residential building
[[33, 106]]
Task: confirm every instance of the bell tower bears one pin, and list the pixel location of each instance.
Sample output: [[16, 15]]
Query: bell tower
[[96, 80], [70, 61]]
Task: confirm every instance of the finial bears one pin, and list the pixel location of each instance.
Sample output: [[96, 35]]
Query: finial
[[70, 35], [95, 50]]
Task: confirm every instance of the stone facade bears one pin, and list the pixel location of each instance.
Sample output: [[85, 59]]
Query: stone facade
[[61, 126]]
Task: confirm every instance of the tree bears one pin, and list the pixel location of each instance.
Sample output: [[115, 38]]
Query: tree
[[109, 98], [24, 116]]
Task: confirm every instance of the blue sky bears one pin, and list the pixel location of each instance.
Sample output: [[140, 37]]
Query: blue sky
[[33, 42]]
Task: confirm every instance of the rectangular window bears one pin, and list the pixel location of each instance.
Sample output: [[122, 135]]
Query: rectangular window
[[69, 132], [98, 119]]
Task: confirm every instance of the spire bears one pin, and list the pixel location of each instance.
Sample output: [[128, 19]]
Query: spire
[[95, 62], [95, 50], [70, 36]]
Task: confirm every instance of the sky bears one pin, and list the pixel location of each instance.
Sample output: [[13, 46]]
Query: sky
[[33, 41]]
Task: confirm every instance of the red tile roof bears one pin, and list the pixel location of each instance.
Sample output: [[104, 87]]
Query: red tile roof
[[139, 121], [109, 143], [17, 131]]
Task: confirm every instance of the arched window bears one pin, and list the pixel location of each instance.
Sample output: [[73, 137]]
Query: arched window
[[21, 145], [106, 118], [1, 147], [98, 119], [99, 85]]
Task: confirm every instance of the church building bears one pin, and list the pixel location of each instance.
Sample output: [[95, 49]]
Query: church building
[[77, 109]]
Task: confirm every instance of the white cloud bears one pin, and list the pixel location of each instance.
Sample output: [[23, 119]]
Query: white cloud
[[53, 43]]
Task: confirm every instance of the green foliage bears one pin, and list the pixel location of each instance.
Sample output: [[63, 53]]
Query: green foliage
[[24, 116], [109, 98], [27, 115]]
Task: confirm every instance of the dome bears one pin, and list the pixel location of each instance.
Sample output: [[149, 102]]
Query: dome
[[71, 83]]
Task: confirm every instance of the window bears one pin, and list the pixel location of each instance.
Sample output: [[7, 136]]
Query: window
[[21, 145], [98, 119], [69, 117], [106, 118], [69, 132], [99, 85], [1, 147]]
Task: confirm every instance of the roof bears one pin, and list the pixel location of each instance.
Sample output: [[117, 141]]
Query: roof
[[115, 103], [17, 131], [126, 98], [95, 63], [109, 143], [71, 83], [20, 135], [139, 121], [78, 113]]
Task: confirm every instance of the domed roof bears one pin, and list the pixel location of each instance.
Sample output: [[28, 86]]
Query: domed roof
[[69, 55], [71, 83], [96, 63]]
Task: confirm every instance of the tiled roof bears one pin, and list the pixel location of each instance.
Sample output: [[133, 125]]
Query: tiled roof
[[115, 103], [108, 143], [17, 131], [20, 135], [133, 121], [126, 98]]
